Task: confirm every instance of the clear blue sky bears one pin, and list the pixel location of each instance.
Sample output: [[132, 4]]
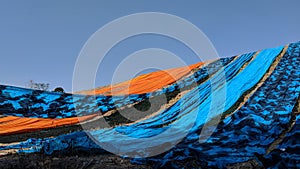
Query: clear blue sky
[[41, 40]]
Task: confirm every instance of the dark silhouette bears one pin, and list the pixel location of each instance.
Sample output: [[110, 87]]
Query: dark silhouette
[[59, 89]]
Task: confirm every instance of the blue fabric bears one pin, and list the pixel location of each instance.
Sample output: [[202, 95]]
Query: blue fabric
[[22, 102], [242, 136], [250, 131], [149, 127], [287, 153]]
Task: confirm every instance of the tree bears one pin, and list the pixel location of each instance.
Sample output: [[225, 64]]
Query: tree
[[38, 86]]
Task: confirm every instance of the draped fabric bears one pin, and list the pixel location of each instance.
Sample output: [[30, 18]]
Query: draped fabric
[[264, 127]]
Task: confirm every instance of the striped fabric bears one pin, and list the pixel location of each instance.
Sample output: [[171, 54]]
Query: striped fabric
[[257, 108]]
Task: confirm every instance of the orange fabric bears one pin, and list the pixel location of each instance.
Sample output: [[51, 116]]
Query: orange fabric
[[144, 83], [13, 125], [138, 85]]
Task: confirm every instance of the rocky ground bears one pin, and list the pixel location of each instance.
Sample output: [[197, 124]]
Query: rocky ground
[[103, 161], [38, 161]]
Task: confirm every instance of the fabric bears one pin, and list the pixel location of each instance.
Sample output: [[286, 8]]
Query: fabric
[[16, 96], [145, 83], [245, 135], [22, 102]]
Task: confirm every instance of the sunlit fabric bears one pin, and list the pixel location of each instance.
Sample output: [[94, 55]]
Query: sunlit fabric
[[264, 128]]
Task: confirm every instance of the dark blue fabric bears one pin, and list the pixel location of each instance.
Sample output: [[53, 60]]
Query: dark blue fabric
[[287, 153], [152, 125], [250, 131], [22, 102], [242, 136]]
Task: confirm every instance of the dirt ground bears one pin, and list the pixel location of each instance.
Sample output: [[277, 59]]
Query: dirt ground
[[103, 161], [40, 161]]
